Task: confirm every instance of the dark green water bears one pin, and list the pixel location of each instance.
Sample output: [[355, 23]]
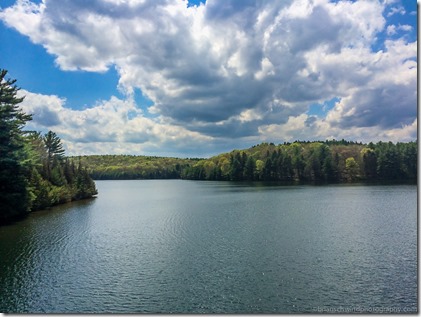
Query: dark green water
[[216, 247]]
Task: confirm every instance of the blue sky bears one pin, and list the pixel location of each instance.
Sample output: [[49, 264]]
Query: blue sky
[[37, 72], [196, 78]]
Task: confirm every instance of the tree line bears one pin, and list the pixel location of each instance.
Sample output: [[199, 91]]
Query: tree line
[[103, 167], [299, 161], [322, 161], [34, 172]]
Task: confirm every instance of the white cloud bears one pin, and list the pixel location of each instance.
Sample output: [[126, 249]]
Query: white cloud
[[393, 29], [396, 10], [405, 27], [306, 127], [112, 126], [228, 69]]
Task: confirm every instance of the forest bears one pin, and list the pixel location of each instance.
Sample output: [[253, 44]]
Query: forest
[[322, 161], [103, 167], [35, 173], [300, 161]]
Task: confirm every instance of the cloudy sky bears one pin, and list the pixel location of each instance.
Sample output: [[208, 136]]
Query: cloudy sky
[[193, 79]]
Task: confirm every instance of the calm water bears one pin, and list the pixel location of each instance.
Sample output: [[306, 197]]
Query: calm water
[[216, 247]]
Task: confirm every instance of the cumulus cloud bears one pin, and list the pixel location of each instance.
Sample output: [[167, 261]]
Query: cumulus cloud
[[393, 29], [111, 126], [396, 10], [228, 69], [405, 27]]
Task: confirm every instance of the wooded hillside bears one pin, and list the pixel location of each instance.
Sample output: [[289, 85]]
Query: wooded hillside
[[326, 161], [134, 167]]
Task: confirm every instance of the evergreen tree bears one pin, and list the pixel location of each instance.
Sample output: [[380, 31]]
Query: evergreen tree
[[236, 171], [15, 198], [369, 162], [267, 170], [69, 171], [249, 168], [328, 168], [57, 173], [54, 150], [287, 171], [408, 159], [388, 161], [84, 185], [33, 172], [40, 188]]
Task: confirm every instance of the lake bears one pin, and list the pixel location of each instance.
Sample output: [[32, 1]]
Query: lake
[[175, 246]]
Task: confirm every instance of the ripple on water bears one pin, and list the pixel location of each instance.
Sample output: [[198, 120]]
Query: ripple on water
[[206, 248]]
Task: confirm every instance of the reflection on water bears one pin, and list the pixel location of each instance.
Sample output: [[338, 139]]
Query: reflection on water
[[215, 247]]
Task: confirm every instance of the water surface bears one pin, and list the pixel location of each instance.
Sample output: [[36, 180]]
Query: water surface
[[216, 247]]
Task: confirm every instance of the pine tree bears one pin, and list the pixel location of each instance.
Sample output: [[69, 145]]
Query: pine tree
[[249, 168], [15, 198], [388, 161], [236, 171], [369, 162], [54, 150], [85, 186]]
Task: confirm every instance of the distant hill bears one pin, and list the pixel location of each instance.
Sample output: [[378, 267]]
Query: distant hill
[[134, 167], [322, 161], [331, 161]]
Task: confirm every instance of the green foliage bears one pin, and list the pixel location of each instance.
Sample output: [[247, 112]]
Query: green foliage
[[369, 159], [40, 189], [55, 153], [388, 161], [138, 167], [15, 197], [57, 176], [323, 161], [59, 195], [54, 178], [53, 146], [249, 168], [237, 167], [352, 168], [409, 153], [260, 165], [84, 186], [33, 171]]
